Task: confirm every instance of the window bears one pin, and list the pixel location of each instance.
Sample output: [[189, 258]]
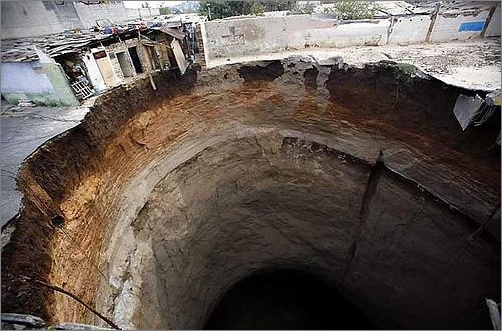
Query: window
[[99, 55]]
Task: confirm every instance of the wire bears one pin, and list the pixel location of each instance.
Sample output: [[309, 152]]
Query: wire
[[74, 242], [73, 296], [82, 251]]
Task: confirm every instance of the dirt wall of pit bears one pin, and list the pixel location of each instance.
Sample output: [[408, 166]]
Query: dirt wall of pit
[[170, 196]]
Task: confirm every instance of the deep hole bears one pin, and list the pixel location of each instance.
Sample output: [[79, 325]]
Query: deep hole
[[285, 300], [57, 220]]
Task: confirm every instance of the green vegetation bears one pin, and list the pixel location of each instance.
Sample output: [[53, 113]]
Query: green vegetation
[[407, 68], [257, 8], [306, 9], [354, 10], [222, 9], [165, 10], [346, 10]]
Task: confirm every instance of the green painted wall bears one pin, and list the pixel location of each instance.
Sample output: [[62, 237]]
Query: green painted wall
[[46, 99], [57, 90], [61, 85]]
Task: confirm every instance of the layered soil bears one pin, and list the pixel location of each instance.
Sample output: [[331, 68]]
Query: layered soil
[[359, 176]]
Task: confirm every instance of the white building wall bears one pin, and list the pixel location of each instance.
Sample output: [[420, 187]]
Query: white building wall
[[255, 35], [143, 13], [26, 77], [95, 76], [446, 27], [353, 34], [409, 30], [115, 11]]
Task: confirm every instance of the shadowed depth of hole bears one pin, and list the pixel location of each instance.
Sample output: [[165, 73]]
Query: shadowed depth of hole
[[285, 299]]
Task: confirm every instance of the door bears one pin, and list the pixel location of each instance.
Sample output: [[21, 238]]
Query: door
[[105, 68], [154, 60], [94, 73], [179, 55]]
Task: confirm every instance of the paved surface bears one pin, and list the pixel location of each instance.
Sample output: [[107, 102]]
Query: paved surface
[[473, 64], [23, 129]]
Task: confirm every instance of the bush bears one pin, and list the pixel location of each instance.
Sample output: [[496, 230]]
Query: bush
[[305, 9], [355, 10], [257, 8]]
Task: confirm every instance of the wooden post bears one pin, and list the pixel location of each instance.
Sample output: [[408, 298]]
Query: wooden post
[[488, 20], [433, 21]]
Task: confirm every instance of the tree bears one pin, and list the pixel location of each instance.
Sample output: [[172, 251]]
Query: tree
[[304, 9], [278, 5], [222, 9], [256, 8], [164, 10]]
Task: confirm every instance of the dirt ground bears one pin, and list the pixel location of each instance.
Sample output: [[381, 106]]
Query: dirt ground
[[471, 64]]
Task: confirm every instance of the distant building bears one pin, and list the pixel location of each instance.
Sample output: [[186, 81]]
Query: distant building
[[37, 18]]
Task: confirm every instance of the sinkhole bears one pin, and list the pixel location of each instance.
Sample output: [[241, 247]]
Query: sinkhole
[[285, 299], [279, 194]]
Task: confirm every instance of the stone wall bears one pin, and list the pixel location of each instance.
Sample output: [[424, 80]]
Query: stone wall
[[200, 44], [23, 19], [142, 13], [88, 14], [258, 35]]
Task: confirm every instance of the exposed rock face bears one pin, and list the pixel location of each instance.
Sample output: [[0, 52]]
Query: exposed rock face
[[170, 197]]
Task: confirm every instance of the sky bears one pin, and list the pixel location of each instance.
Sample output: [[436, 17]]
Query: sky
[[153, 4]]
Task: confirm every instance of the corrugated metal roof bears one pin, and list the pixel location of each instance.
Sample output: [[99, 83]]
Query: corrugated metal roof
[[22, 49]]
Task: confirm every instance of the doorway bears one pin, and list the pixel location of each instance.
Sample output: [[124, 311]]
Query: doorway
[[135, 60], [154, 60], [125, 64]]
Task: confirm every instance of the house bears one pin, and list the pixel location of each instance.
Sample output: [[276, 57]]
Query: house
[[30, 75], [67, 68]]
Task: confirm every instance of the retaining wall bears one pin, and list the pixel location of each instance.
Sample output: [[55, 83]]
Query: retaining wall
[[257, 35], [143, 13]]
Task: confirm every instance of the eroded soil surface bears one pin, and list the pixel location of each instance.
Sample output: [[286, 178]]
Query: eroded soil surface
[[172, 196]]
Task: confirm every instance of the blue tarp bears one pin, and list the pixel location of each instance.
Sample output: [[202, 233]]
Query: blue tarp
[[471, 26]]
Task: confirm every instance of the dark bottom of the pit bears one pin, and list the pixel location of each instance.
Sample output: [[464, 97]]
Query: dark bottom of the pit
[[285, 300]]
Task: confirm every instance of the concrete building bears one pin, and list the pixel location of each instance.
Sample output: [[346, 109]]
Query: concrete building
[[38, 79], [38, 18]]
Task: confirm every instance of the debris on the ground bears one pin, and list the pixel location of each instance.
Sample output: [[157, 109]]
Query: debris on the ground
[[78, 326], [25, 103], [466, 108], [494, 310], [17, 320]]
